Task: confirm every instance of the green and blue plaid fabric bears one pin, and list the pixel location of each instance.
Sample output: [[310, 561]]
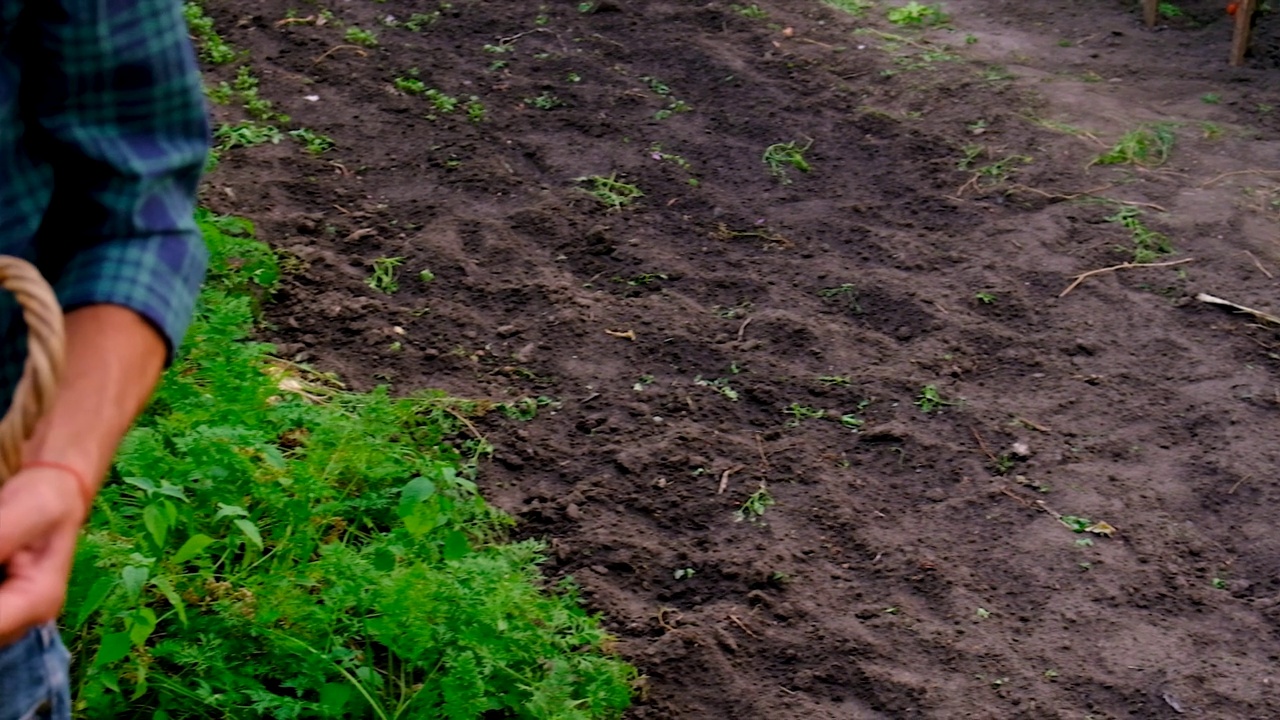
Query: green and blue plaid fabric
[[103, 136]]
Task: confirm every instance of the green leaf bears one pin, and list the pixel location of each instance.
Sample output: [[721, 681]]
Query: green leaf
[[417, 490], [144, 484], [250, 530], [115, 646], [134, 578], [153, 517], [384, 560], [102, 587], [334, 697], [142, 623], [456, 546], [194, 546], [225, 510], [166, 588]]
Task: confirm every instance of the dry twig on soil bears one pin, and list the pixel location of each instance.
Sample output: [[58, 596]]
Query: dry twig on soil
[[1122, 266], [1212, 300], [1240, 172]]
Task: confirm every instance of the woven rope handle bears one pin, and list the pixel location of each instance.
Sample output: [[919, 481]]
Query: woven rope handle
[[46, 349]]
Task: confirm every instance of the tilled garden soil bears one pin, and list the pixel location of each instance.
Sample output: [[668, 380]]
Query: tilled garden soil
[[880, 346]]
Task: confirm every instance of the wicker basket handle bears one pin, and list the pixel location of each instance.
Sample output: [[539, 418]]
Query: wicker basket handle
[[46, 349]]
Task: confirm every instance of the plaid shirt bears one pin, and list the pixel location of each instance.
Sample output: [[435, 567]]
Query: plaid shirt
[[103, 136]]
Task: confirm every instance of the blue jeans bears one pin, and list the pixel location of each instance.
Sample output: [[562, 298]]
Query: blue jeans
[[34, 679]]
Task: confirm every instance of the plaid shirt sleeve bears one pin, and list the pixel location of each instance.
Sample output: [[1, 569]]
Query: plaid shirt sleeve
[[119, 115]]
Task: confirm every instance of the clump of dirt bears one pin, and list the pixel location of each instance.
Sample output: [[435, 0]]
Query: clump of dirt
[[824, 440]]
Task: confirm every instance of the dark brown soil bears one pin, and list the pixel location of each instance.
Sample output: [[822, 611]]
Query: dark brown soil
[[912, 566]]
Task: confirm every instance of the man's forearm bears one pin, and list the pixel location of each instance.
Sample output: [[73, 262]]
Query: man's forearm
[[114, 359]]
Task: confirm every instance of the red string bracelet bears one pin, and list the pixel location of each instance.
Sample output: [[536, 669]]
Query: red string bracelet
[[87, 490]]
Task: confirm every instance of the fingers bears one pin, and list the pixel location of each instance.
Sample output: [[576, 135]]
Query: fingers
[[36, 586], [32, 504], [39, 525]]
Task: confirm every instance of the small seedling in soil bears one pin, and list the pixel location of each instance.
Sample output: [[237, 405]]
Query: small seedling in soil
[[781, 156], [644, 279], [1219, 584], [799, 413], [644, 382], [1211, 131], [384, 274], [856, 8], [684, 573], [751, 11], [844, 290], [1148, 245], [357, 36], [720, 385], [1169, 10], [754, 507], [983, 613], [426, 276], [851, 421], [676, 106], [835, 380], [312, 141], [931, 400], [1083, 525], [985, 298], [917, 14], [1148, 145], [611, 191], [246, 134], [1003, 464], [971, 154], [419, 21], [545, 101], [1211, 98]]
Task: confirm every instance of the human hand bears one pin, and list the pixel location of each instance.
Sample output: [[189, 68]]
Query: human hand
[[41, 510]]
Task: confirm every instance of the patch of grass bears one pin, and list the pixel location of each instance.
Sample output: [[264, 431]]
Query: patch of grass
[[643, 279], [1148, 145], [779, 157], [312, 141], [545, 101], [611, 191], [856, 8], [752, 11], [720, 385], [273, 546], [385, 275], [1169, 10], [417, 22], [213, 49], [931, 400], [916, 14], [754, 507], [1148, 245], [245, 134], [846, 291], [360, 36], [985, 297], [799, 413]]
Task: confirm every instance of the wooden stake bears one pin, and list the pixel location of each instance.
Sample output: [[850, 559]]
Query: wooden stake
[[1244, 28], [1149, 8]]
